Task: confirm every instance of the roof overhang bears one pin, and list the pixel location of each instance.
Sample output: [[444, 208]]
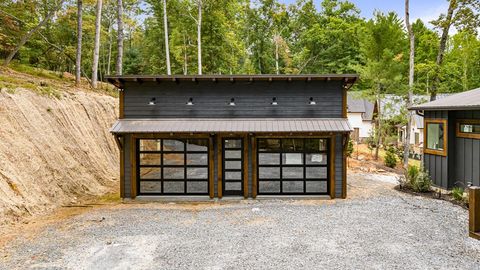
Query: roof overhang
[[119, 81], [204, 125]]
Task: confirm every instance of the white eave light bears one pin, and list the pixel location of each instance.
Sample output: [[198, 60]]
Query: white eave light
[[190, 102], [311, 101], [232, 102], [274, 101], [152, 102]]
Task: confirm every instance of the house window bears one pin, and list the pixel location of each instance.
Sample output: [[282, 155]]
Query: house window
[[436, 137], [468, 128], [417, 138]]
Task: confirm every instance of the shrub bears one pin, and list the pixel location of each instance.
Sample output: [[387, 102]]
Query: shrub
[[457, 193], [418, 179], [391, 158], [350, 148]]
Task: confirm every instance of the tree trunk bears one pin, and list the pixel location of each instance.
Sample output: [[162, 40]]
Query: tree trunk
[[185, 56], [78, 60], [199, 37], [96, 46], [411, 75], [29, 34], [276, 40], [118, 67], [165, 26], [379, 125], [441, 48], [109, 58]]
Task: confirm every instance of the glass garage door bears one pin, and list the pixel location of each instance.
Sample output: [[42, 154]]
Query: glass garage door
[[293, 166], [232, 166], [172, 166]]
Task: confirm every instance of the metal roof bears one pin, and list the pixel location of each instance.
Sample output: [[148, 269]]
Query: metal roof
[[357, 104], [469, 100], [119, 81], [203, 125]]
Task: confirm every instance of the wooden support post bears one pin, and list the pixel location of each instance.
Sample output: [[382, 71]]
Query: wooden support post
[[474, 212]]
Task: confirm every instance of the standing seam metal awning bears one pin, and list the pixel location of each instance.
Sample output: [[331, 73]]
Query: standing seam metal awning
[[203, 125]]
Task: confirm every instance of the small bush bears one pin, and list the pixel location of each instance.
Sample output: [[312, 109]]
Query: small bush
[[391, 158], [457, 193], [350, 148], [418, 179]]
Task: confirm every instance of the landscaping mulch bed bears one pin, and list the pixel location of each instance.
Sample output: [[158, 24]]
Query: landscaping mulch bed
[[433, 195]]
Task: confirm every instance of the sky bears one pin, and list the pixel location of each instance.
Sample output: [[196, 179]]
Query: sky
[[426, 10]]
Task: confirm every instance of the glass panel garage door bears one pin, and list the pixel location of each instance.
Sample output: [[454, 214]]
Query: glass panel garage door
[[293, 166], [172, 166], [232, 167]]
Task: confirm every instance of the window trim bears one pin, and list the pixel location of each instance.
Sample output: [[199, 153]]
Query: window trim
[[426, 150], [460, 134]]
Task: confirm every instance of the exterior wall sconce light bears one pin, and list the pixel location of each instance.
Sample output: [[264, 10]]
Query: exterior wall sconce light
[[152, 102], [232, 102], [311, 101], [274, 101], [190, 102]]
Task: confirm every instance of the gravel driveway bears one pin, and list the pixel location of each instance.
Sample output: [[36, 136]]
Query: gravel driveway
[[376, 228]]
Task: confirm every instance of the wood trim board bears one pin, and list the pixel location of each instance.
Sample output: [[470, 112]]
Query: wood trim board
[[445, 140], [467, 135]]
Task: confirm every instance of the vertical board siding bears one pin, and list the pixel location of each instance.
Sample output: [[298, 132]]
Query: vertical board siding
[[252, 99], [338, 166], [127, 167], [437, 165], [467, 155]]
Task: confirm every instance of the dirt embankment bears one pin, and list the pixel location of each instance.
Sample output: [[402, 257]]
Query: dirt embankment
[[54, 150]]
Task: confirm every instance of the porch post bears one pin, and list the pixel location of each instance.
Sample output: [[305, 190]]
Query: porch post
[[474, 212]]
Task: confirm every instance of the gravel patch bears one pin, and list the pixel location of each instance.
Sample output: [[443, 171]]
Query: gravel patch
[[384, 230]]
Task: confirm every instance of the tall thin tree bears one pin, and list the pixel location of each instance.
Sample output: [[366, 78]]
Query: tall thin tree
[[411, 74], [96, 46], [199, 37], [165, 26], [78, 60], [118, 67]]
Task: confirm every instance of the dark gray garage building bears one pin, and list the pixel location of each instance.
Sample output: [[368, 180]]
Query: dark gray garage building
[[234, 135], [452, 139]]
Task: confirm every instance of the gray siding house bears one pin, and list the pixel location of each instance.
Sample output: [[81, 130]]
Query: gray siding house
[[239, 135], [452, 139]]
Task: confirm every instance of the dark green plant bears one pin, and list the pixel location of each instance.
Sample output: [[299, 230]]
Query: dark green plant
[[422, 182], [391, 158], [412, 173], [350, 148], [457, 193]]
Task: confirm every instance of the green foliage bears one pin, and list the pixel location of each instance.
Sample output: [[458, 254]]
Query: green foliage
[[457, 193], [350, 148], [418, 179], [391, 158]]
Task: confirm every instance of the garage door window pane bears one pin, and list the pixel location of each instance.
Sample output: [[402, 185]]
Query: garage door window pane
[[173, 159], [197, 187], [231, 143], [233, 154], [197, 159], [150, 145], [229, 165], [173, 145], [197, 173], [316, 172], [197, 145], [316, 159], [292, 145], [292, 186], [269, 186], [269, 145], [151, 187], [233, 175], [173, 187], [268, 159], [150, 173], [292, 172], [173, 173], [149, 159], [269, 172], [292, 159], [316, 186], [315, 145]]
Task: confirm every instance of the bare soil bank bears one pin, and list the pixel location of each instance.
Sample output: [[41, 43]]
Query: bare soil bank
[[54, 150]]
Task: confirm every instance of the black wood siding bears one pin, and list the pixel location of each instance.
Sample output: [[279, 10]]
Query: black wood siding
[[252, 99], [467, 155]]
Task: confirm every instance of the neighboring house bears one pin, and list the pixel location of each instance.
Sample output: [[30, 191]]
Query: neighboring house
[[238, 135], [361, 113], [452, 139], [416, 132]]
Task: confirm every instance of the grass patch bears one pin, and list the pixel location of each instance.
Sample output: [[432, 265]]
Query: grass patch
[[39, 72]]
